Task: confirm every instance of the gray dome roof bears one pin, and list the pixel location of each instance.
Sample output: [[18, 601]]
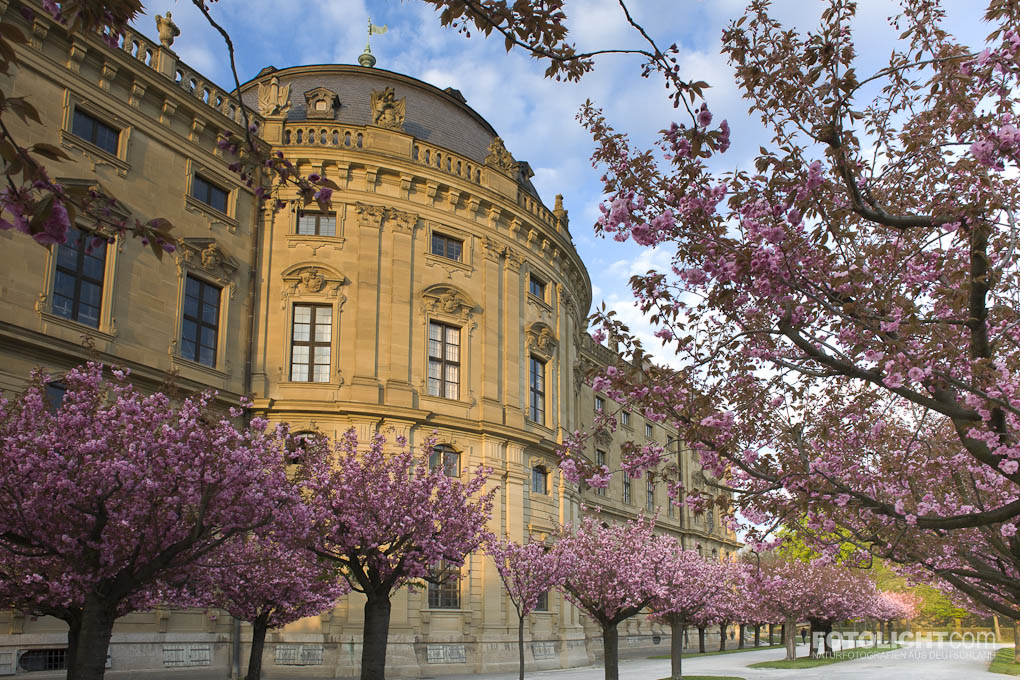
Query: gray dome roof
[[433, 115]]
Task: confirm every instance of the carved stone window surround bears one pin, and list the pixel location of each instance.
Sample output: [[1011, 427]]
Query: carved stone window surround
[[449, 305], [95, 155]]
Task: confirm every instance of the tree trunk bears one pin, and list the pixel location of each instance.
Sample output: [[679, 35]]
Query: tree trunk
[[94, 639], [827, 644], [772, 627], [676, 649], [740, 636], [722, 637], [1016, 641], [757, 634], [611, 651], [701, 639], [73, 622], [812, 651], [375, 636], [258, 643], [789, 631], [520, 642]]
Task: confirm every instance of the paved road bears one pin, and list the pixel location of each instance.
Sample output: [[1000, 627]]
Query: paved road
[[921, 661]]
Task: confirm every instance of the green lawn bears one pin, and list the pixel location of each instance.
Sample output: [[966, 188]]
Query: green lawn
[[695, 655], [708, 677], [808, 662], [1003, 663]]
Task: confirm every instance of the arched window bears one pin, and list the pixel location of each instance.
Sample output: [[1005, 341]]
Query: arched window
[[539, 479], [700, 552], [715, 554], [448, 457], [299, 443]]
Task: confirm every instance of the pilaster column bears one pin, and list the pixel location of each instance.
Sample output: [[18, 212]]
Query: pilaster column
[[365, 381], [513, 340]]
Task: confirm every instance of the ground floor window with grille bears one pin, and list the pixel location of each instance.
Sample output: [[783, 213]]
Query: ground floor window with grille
[[445, 593], [311, 343], [444, 360]]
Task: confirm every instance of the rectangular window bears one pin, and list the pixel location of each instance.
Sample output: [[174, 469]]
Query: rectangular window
[[209, 193], [55, 392], [311, 223], [670, 508], [626, 488], [446, 593], [446, 456], [201, 323], [648, 430], [543, 602], [311, 343], [536, 287], [600, 404], [539, 480], [91, 129], [444, 360], [625, 418], [650, 495], [536, 387], [446, 246], [78, 281], [600, 461]]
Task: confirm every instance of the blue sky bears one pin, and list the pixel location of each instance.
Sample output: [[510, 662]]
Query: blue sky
[[535, 116]]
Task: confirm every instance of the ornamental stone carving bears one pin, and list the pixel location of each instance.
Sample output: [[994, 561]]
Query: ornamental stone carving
[[541, 339], [387, 110], [167, 30], [312, 280], [206, 255], [321, 103], [448, 301], [500, 158], [273, 99]]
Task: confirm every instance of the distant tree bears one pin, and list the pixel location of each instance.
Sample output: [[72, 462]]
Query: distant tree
[[385, 520], [528, 571], [268, 582], [611, 573], [111, 493], [691, 587]]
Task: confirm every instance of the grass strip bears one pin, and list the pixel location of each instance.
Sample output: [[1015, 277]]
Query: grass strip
[[808, 662], [1003, 662]]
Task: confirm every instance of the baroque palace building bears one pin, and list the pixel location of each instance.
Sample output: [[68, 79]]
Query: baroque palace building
[[439, 294]]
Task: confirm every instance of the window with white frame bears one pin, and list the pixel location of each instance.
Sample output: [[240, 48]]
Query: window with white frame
[[444, 360], [311, 343], [315, 223]]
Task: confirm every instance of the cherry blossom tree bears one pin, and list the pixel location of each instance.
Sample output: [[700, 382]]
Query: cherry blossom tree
[[859, 280], [115, 491], [792, 590], [528, 571], [611, 573], [268, 583], [690, 588], [385, 520]]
